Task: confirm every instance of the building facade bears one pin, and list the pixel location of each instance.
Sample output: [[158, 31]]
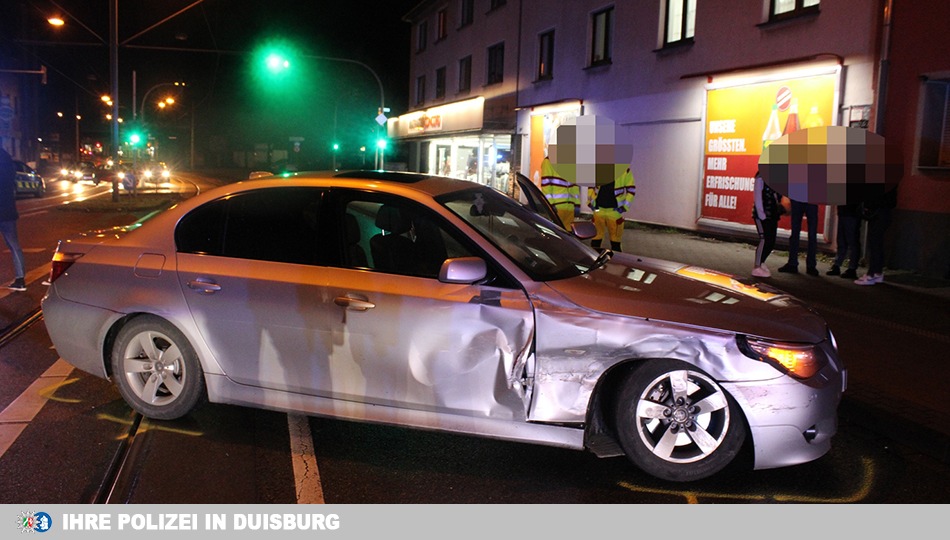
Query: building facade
[[696, 89], [462, 90]]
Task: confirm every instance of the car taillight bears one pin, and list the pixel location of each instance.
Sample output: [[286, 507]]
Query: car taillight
[[61, 263]]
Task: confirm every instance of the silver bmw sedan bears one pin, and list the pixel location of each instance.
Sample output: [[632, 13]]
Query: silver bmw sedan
[[435, 303]]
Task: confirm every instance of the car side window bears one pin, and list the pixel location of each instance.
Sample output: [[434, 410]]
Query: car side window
[[396, 236], [277, 224]]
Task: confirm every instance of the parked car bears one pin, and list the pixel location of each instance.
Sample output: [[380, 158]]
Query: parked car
[[437, 303], [28, 181]]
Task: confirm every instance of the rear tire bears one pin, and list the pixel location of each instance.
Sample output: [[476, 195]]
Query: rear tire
[[676, 423], [156, 369]]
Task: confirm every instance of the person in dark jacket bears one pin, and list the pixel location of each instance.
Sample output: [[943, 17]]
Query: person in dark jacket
[[848, 239], [877, 212], [808, 211], [8, 219], [765, 212]]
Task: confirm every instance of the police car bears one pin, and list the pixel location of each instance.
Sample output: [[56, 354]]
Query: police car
[[28, 181]]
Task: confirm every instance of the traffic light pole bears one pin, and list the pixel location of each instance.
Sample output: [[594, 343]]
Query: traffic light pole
[[382, 101], [114, 69]]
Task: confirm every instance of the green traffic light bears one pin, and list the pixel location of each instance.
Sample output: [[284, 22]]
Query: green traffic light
[[381, 144], [276, 62], [276, 70], [336, 146], [135, 138]]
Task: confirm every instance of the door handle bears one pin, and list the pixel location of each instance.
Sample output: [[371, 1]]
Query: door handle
[[204, 286], [353, 302]]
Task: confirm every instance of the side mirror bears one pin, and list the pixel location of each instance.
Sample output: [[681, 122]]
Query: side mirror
[[463, 270], [584, 229]]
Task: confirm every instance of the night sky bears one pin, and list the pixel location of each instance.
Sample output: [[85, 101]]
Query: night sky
[[208, 46]]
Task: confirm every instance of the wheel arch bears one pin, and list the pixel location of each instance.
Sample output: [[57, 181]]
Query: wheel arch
[[600, 432], [108, 343]]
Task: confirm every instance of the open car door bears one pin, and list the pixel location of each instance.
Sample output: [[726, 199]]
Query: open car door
[[531, 196]]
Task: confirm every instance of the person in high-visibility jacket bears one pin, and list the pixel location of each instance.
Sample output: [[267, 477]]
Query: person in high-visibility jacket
[[563, 195], [610, 202]]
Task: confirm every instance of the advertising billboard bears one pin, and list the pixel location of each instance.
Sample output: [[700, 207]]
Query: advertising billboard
[[741, 120]]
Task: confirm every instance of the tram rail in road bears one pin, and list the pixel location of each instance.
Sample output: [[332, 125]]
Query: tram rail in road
[[118, 481]]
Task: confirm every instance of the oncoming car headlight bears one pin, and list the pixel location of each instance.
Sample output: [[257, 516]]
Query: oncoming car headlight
[[799, 360]]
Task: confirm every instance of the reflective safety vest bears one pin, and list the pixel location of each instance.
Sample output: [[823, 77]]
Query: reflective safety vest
[[556, 189], [619, 198]]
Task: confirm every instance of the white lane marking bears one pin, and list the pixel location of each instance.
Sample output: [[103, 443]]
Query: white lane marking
[[306, 475], [19, 413]]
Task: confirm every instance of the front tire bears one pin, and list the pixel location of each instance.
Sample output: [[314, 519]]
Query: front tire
[[676, 423], [156, 369]]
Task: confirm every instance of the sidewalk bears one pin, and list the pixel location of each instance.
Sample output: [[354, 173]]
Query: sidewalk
[[902, 396]]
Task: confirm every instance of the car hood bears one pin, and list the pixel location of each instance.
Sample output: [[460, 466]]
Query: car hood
[[689, 295]]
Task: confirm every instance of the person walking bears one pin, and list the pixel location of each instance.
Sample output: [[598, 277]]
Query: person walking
[[610, 202], [877, 212], [808, 211], [9, 217], [848, 238], [765, 212]]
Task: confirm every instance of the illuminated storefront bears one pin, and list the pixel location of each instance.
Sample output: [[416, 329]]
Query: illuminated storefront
[[452, 140], [543, 123]]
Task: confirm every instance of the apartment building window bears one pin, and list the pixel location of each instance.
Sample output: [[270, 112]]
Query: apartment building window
[[420, 89], [440, 83], [546, 56], [465, 74], [680, 21], [422, 35], [442, 25], [784, 9], [935, 125], [496, 63], [601, 36], [466, 12]]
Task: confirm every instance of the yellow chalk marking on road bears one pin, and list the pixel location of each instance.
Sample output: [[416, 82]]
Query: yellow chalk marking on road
[[693, 497], [147, 426]]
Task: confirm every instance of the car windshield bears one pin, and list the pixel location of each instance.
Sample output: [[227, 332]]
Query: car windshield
[[541, 249]]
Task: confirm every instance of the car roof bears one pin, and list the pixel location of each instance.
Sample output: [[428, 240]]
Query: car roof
[[425, 183]]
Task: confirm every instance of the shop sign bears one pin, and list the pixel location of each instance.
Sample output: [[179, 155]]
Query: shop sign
[[425, 122]]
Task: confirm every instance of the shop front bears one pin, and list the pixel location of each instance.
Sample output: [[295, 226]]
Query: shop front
[[452, 140]]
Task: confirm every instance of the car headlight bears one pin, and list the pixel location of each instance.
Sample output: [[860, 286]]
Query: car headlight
[[800, 360]]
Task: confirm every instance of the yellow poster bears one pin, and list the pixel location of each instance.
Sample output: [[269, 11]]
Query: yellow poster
[[741, 120]]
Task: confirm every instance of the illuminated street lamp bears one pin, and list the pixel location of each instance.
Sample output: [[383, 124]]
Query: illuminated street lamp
[[113, 43], [161, 104]]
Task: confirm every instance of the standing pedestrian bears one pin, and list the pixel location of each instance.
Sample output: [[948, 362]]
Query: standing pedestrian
[[610, 202], [877, 212], [765, 212], [848, 239], [563, 195], [808, 211], [8, 219]]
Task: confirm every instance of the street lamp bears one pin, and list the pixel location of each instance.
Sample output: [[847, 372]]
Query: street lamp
[[163, 103], [114, 65]]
